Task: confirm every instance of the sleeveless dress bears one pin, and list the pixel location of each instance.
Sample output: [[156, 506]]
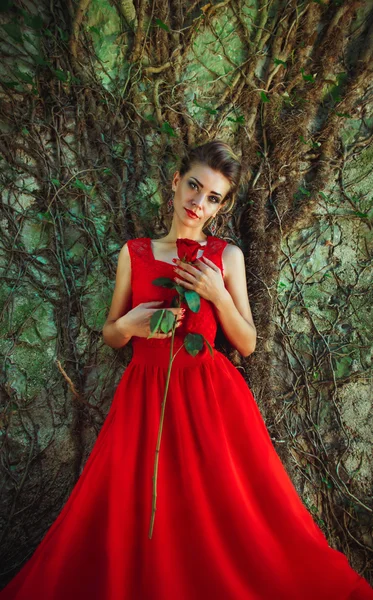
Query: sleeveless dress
[[229, 524]]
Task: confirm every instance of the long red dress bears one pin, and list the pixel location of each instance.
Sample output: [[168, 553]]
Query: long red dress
[[229, 523]]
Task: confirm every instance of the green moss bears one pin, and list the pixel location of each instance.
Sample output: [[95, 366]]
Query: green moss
[[29, 371], [104, 25]]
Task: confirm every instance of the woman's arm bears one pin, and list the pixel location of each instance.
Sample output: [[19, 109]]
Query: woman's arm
[[229, 295], [114, 333], [233, 306]]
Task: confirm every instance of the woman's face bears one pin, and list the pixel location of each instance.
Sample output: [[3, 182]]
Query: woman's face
[[201, 191]]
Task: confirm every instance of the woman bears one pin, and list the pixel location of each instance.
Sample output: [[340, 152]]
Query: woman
[[229, 524]]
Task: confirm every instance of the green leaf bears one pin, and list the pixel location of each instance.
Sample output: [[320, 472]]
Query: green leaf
[[162, 25], [209, 346], [162, 320], [307, 77], [343, 366], [278, 61], [211, 111], [193, 300], [360, 214], [61, 75], [304, 191], [31, 40], [336, 88], [346, 115], [63, 35], [341, 77], [193, 343], [56, 181], [24, 76], [181, 290], [155, 321], [13, 30], [42, 216], [166, 128], [335, 95], [33, 21], [164, 282], [240, 119], [264, 97], [39, 60], [81, 185], [329, 484], [167, 321], [25, 131], [10, 84]]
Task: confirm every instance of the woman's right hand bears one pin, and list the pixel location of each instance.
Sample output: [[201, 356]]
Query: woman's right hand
[[137, 320]]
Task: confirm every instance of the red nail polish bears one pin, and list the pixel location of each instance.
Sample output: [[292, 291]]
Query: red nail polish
[[174, 260]]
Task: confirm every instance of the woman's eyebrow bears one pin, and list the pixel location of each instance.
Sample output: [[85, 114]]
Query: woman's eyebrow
[[199, 183]]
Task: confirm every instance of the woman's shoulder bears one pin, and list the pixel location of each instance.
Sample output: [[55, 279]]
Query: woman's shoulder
[[233, 251], [229, 249], [136, 242], [233, 259], [136, 248]]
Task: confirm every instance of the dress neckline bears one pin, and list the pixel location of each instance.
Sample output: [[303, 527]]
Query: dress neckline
[[164, 262]]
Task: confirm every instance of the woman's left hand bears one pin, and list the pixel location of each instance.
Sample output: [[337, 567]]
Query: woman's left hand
[[206, 280]]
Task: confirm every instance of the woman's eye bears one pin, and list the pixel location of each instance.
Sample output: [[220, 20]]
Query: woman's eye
[[214, 198]]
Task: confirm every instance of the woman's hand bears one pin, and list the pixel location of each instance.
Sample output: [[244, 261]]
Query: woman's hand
[[137, 321], [206, 280]]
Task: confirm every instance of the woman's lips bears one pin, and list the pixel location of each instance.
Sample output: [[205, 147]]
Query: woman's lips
[[191, 214]]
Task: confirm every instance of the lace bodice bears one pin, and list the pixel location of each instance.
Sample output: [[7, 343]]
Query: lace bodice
[[145, 268]]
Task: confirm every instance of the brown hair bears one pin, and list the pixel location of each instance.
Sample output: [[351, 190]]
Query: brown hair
[[219, 156]]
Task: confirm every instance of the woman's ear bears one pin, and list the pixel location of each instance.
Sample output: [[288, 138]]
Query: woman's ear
[[175, 180], [223, 204]]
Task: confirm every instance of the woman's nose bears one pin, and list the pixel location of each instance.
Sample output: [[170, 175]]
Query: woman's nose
[[198, 199]]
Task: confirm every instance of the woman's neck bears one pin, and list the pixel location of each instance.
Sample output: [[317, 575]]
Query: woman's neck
[[184, 232]]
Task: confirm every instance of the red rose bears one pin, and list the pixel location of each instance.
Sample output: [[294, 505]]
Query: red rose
[[187, 249]]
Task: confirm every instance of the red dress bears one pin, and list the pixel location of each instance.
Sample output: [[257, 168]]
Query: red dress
[[229, 523]]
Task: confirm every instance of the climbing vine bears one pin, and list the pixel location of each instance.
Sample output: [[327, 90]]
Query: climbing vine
[[98, 100]]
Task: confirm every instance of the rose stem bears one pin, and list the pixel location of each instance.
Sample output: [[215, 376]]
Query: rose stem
[[154, 503]]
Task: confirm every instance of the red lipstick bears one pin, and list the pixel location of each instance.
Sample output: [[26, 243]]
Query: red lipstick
[[191, 214]]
